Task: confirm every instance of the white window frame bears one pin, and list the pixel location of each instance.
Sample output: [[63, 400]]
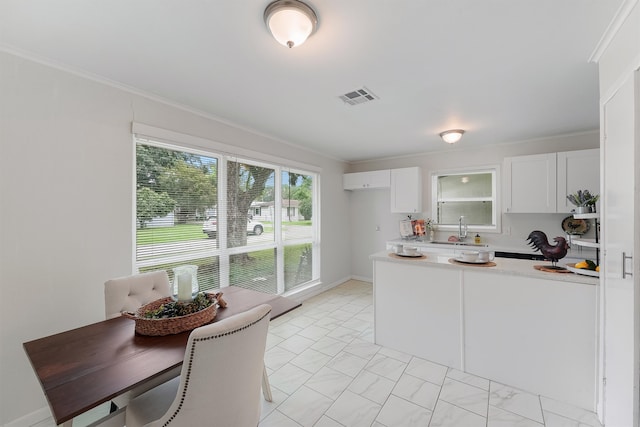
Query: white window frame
[[496, 217], [180, 142]]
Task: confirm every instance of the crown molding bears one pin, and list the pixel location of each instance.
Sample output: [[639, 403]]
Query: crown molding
[[616, 23]]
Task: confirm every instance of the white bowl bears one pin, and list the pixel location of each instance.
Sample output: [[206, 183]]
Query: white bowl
[[410, 250], [469, 256]]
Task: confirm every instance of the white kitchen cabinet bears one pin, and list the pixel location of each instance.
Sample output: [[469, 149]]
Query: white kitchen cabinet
[[406, 190], [510, 323], [530, 184], [418, 311], [538, 335], [366, 180], [577, 170], [540, 183]]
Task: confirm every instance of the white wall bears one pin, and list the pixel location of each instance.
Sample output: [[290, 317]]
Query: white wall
[[370, 208], [66, 180]]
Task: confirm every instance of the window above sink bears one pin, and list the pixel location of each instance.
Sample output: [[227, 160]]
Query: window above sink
[[470, 193]]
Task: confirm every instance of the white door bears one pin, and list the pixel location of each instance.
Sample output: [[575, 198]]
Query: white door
[[617, 351]]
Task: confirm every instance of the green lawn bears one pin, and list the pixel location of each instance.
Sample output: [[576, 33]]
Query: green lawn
[[185, 232], [307, 222], [177, 233]]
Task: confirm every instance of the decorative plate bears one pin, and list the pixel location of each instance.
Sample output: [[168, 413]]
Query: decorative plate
[[416, 255], [583, 271], [577, 227], [406, 255]]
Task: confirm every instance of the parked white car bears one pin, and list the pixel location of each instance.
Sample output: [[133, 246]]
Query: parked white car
[[210, 227]]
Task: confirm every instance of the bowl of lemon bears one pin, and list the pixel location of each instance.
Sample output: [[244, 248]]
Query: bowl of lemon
[[586, 268]]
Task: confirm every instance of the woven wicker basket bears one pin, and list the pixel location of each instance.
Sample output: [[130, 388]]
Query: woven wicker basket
[[171, 325]]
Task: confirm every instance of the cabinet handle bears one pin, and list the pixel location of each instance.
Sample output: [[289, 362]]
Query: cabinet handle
[[625, 257]]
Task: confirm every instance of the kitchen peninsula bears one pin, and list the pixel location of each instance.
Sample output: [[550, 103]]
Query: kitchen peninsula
[[508, 322]]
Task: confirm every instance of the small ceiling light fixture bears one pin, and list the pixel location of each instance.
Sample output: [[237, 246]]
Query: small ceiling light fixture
[[291, 22], [451, 136]]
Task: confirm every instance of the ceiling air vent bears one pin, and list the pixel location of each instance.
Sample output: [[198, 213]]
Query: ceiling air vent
[[358, 96]]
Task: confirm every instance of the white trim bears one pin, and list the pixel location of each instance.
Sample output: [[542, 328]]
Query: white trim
[[362, 278], [454, 148], [622, 79], [134, 207], [496, 216], [149, 135], [32, 418], [142, 130], [614, 26], [316, 288], [135, 91]]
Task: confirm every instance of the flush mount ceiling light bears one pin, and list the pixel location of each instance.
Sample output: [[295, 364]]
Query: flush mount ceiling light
[[290, 21], [451, 136]]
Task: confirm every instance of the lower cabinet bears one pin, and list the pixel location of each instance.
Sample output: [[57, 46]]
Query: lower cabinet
[[535, 334], [538, 335], [418, 313]]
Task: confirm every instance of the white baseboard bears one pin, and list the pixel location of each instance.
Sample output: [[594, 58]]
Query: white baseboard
[[32, 418], [98, 416], [363, 279], [314, 289]]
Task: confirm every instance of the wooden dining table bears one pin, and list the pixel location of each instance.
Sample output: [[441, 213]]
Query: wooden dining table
[[85, 367]]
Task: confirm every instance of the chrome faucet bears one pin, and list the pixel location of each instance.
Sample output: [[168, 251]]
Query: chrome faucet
[[462, 234]]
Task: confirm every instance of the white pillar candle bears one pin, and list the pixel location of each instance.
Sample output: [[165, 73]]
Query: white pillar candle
[[184, 287]]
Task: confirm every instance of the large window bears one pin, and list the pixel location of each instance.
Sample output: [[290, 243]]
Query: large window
[[468, 194], [241, 222]]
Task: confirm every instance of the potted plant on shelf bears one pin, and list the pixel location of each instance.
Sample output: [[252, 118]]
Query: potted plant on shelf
[[584, 201]]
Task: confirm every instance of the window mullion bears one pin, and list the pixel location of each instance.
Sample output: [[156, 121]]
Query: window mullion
[[222, 213], [277, 226]]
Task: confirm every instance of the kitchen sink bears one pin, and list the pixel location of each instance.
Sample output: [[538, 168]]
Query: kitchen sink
[[446, 242]]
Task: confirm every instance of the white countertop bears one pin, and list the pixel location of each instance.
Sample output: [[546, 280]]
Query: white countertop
[[516, 267], [573, 255]]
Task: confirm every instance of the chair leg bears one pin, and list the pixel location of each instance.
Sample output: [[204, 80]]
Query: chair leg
[[266, 387]]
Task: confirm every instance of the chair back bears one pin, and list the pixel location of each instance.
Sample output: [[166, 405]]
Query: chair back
[[221, 375], [132, 292]]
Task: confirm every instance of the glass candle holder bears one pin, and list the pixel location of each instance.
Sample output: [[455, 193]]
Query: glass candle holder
[[185, 283]]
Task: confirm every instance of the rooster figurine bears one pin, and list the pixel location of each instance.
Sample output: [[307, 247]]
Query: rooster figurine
[[538, 240]]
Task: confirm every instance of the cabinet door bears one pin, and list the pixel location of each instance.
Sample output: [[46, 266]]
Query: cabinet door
[[418, 311], [366, 180], [534, 334], [530, 184], [577, 170], [620, 121], [406, 190]]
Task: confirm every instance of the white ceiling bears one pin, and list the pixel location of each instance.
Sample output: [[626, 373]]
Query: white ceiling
[[504, 70]]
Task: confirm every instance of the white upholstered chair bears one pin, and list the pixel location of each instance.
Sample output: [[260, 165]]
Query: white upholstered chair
[[220, 378], [129, 294], [132, 292]]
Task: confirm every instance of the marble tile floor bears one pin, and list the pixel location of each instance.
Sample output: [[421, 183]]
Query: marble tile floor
[[325, 371]]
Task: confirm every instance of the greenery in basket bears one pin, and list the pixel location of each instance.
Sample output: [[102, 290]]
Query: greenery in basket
[[177, 308], [583, 198]]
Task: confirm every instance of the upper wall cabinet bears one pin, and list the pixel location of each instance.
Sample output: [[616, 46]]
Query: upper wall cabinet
[[577, 170], [406, 190], [366, 180], [540, 183], [530, 184]]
